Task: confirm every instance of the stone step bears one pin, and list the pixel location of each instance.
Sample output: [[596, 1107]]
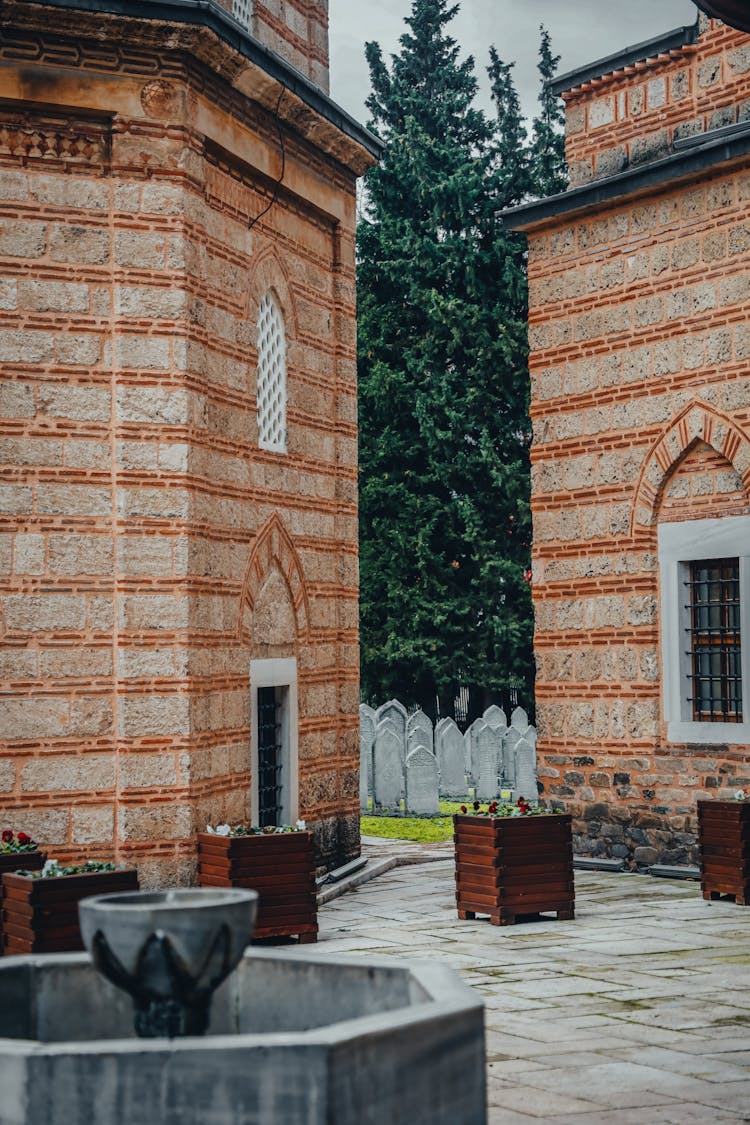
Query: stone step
[[665, 871], [589, 863]]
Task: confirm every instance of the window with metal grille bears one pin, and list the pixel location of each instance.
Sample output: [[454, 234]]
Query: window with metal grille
[[715, 633], [270, 766], [704, 594], [242, 10], [271, 376], [274, 741]]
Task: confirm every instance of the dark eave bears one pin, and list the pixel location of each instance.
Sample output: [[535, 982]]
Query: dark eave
[[686, 164], [203, 13], [734, 12], [650, 48]]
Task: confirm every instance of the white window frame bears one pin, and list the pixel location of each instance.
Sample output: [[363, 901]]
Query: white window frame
[[679, 545], [277, 673]]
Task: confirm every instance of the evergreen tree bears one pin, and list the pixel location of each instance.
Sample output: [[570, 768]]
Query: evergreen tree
[[444, 430], [548, 141], [514, 157]]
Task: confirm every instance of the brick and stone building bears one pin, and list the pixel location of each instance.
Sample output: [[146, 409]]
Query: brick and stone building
[[178, 521], [639, 282]]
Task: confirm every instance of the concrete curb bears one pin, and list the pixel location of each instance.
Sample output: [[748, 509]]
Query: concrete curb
[[374, 868]]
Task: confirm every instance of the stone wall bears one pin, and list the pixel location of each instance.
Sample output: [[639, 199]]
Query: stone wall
[[149, 550], [634, 114], [641, 415]]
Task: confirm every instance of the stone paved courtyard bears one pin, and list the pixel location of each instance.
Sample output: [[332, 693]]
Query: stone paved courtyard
[[636, 1013]]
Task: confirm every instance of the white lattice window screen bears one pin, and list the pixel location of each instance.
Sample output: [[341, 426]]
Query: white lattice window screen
[[242, 10], [271, 376]]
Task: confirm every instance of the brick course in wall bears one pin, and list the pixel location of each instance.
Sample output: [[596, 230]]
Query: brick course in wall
[[641, 415], [149, 550]]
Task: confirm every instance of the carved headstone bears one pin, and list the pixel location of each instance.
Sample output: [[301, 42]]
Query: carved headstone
[[519, 720], [419, 732], [421, 772], [494, 717], [396, 713], [511, 737], [366, 740], [387, 768], [490, 743], [525, 756], [451, 759], [472, 750]]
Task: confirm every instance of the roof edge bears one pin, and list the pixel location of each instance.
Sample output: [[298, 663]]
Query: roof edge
[[659, 45], [204, 13], [679, 165]]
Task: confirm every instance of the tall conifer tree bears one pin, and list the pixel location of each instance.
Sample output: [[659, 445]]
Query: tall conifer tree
[[548, 142], [444, 466]]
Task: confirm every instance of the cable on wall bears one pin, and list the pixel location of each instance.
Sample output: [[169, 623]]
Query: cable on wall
[[282, 145]]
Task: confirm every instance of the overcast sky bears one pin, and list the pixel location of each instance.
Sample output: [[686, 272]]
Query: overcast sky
[[582, 31]]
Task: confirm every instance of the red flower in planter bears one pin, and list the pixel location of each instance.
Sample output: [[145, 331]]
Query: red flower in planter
[[464, 809], [523, 805], [10, 844], [492, 808]]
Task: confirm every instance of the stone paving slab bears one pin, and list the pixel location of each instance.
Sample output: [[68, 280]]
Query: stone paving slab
[[638, 1011]]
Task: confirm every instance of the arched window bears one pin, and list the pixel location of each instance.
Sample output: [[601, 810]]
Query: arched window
[[271, 376]]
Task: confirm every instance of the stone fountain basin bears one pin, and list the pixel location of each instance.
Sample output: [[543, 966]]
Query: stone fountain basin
[[191, 917], [295, 1039]]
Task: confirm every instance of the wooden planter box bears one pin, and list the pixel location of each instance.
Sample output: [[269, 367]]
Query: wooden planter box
[[511, 866], [724, 839], [13, 861], [41, 915], [17, 861], [281, 868]]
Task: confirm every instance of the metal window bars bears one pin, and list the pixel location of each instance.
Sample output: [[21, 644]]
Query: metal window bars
[[715, 650], [269, 757]]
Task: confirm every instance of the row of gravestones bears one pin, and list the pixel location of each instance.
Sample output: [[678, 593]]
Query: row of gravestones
[[403, 758]]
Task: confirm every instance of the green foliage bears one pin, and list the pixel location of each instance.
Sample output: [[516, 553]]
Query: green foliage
[[426, 830], [444, 454], [53, 870], [548, 144]]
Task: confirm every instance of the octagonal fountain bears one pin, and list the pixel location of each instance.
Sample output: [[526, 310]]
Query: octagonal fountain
[[292, 1038]]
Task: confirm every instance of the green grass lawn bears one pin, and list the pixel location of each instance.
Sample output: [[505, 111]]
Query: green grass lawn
[[422, 829]]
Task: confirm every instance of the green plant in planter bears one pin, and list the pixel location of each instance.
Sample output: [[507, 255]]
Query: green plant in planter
[[522, 807], [53, 870]]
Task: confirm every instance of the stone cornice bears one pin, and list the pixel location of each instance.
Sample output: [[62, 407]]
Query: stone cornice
[[208, 33], [715, 152], [620, 63]]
